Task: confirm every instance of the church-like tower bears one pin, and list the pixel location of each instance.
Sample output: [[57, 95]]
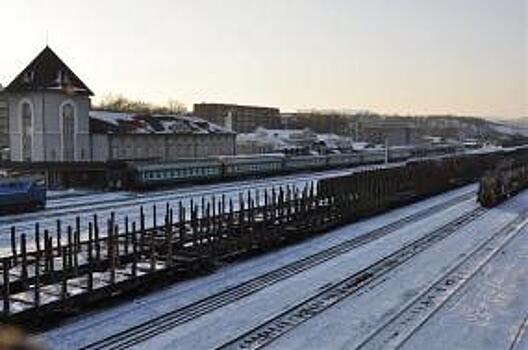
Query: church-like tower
[[48, 113]]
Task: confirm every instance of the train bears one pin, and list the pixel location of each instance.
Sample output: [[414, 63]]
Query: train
[[504, 181], [22, 194], [144, 175]]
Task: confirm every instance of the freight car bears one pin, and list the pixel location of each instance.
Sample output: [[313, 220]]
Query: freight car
[[22, 194]]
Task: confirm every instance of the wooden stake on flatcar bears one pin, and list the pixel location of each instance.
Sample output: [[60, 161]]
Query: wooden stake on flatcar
[[111, 252], [5, 287], [59, 238], [24, 272], [47, 256], [52, 258], [90, 257], [168, 242], [78, 234], [76, 250], [154, 217], [36, 288], [70, 247], [142, 231], [116, 244], [37, 237], [126, 236], [96, 239], [13, 245], [181, 223], [134, 250], [152, 251], [64, 275]]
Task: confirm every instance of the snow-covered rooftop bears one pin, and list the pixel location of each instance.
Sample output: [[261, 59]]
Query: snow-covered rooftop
[[131, 123]]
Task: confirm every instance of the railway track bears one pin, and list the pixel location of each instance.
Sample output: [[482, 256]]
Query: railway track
[[397, 330], [288, 320], [519, 335], [161, 324]]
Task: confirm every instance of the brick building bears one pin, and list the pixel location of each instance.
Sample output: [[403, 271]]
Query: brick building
[[321, 123], [239, 118]]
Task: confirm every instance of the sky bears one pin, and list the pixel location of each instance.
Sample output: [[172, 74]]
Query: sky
[[466, 57]]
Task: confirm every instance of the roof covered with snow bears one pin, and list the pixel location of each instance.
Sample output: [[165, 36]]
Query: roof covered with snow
[[131, 123]]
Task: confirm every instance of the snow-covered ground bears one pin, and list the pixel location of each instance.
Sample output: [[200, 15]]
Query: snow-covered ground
[[88, 329], [488, 312]]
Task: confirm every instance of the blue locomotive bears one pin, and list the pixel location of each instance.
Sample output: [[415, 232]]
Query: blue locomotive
[[22, 194]]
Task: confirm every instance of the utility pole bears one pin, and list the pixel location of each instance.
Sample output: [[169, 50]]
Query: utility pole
[[386, 150]]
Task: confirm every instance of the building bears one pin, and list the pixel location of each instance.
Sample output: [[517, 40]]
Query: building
[[242, 119], [163, 138], [291, 141], [50, 121], [321, 123], [395, 133], [48, 112], [4, 127]]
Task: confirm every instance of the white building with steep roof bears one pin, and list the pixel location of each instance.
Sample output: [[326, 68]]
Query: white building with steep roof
[[50, 121]]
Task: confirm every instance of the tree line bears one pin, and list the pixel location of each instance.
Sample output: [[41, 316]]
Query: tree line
[[119, 103]]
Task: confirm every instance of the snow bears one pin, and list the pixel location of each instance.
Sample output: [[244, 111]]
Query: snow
[[489, 312], [166, 124], [349, 322], [254, 309], [510, 129]]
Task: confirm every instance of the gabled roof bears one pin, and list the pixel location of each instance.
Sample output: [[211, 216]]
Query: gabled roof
[[48, 72]]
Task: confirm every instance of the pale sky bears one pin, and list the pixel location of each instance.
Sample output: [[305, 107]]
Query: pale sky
[[391, 56]]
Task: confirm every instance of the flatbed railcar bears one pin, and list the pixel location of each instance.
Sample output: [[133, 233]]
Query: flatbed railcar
[[22, 194]]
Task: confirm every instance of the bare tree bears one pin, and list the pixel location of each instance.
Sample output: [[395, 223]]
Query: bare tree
[[119, 103]]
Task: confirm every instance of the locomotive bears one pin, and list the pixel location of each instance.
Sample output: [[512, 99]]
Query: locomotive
[[504, 181], [22, 194]]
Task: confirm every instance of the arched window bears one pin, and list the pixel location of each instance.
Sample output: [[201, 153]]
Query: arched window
[[68, 132], [26, 131]]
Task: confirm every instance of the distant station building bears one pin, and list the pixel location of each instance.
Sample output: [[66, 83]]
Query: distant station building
[[241, 119], [52, 127]]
